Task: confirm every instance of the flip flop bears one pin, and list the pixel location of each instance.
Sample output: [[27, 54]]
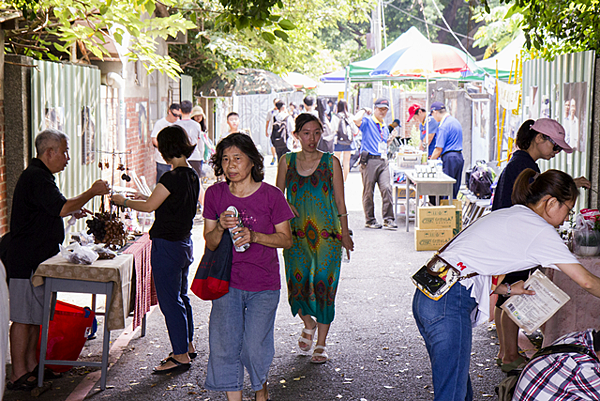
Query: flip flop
[[520, 362], [179, 367], [22, 383], [192, 356], [499, 361], [49, 374]]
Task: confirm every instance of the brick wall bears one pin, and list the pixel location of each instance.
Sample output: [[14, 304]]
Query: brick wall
[[141, 158], [3, 192]]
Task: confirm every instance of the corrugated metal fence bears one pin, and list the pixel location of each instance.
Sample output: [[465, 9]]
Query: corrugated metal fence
[[67, 97], [550, 89]]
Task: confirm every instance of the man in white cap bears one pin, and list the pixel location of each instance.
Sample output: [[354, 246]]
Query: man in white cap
[[374, 164]]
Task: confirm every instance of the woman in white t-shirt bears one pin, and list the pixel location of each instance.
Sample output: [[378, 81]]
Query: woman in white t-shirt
[[506, 240]]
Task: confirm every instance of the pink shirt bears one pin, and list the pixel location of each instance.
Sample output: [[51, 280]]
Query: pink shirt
[[257, 269]]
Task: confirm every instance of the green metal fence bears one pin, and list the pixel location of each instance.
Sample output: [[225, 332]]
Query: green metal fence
[[67, 97], [547, 87]]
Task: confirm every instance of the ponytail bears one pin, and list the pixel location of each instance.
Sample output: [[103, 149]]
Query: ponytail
[[525, 135], [530, 187]]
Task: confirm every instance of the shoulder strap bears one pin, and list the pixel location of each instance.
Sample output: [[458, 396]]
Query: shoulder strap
[[566, 349]]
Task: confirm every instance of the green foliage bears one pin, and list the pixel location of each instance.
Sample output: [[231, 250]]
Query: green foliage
[[558, 26], [500, 29], [291, 39], [51, 27]]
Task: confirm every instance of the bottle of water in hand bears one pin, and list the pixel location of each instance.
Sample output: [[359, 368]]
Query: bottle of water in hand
[[244, 247]]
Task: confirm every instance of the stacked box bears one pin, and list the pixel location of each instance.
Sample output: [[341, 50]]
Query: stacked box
[[436, 226], [458, 204]]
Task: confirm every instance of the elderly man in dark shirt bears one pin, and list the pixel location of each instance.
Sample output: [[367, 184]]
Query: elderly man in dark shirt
[[36, 230]]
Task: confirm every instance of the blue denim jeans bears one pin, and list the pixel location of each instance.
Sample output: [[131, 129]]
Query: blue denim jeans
[[241, 335], [171, 262], [445, 325]]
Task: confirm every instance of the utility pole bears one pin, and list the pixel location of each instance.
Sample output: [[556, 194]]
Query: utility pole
[[376, 42]]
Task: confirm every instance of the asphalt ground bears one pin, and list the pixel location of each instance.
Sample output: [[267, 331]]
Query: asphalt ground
[[375, 348]]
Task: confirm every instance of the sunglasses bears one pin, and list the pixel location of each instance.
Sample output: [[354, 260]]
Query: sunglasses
[[175, 115], [556, 147]]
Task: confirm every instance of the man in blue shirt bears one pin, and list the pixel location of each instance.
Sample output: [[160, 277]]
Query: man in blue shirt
[[448, 144], [420, 115], [374, 164]]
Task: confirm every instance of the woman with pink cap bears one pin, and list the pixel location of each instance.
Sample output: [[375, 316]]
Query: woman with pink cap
[[540, 139]]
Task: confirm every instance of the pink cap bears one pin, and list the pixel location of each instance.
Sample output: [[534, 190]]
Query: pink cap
[[554, 130]]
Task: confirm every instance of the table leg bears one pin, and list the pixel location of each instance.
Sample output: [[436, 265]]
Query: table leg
[[106, 337], [45, 324], [407, 199], [144, 325]]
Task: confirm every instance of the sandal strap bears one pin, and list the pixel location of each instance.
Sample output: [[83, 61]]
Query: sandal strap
[[310, 332], [305, 340]]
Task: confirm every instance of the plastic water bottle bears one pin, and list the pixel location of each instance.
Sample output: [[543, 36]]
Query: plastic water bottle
[[345, 257], [244, 247]]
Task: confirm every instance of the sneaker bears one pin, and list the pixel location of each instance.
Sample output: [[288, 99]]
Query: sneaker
[[373, 225], [390, 225]]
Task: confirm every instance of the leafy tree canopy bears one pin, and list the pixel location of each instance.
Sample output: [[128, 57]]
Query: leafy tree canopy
[[51, 27], [557, 26]]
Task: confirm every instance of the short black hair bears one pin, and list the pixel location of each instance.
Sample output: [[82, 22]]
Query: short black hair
[[174, 142], [186, 107], [174, 106], [233, 113], [305, 118], [279, 105], [309, 100], [244, 143], [292, 104]]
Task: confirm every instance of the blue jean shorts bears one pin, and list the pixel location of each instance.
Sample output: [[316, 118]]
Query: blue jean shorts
[[241, 336]]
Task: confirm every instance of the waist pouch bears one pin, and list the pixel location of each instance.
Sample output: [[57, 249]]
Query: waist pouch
[[436, 277]]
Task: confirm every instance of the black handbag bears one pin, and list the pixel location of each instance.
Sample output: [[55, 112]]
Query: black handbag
[[214, 272]]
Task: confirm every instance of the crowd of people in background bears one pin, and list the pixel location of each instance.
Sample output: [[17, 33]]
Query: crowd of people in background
[[305, 214]]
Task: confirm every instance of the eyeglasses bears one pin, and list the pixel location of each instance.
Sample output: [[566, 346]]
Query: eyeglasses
[[556, 147]]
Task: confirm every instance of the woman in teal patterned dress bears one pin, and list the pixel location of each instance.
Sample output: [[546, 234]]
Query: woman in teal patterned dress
[[314, 186]]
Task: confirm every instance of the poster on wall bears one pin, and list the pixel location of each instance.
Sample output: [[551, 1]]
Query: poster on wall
[[55, 118], [142, 121], [88, 135], [546, 107], [574, 119], [532, 103]]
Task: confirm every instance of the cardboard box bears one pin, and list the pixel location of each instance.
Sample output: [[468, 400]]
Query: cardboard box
[[432, 239], [436, 217], [458, 204]]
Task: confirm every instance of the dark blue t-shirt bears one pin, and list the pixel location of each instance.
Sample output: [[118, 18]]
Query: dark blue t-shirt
[[519, 161], [433, 129], [450, 135]]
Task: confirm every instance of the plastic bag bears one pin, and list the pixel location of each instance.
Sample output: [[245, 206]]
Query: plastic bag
[[78, 254], [67, 334], [586, 240]]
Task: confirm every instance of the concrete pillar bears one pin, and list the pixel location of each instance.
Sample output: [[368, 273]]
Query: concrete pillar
[[17, 111]]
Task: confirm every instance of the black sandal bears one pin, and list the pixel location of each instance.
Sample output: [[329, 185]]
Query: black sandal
[[178, 367], [192, 356], [49, 374], [22, 383]]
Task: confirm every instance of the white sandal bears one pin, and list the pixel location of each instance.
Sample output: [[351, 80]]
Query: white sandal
[[303, 340], [322, 354]]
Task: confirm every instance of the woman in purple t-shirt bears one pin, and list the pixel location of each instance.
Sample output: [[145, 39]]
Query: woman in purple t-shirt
[[242, 321]]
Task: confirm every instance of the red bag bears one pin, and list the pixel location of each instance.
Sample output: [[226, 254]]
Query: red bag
[[67, 334], [214, 272]]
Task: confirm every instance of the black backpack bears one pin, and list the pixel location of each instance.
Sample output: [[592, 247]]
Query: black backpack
[[344, 132], [481, 180], [279, 134]]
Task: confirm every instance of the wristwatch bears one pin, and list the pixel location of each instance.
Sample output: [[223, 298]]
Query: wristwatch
[[507, 290]]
